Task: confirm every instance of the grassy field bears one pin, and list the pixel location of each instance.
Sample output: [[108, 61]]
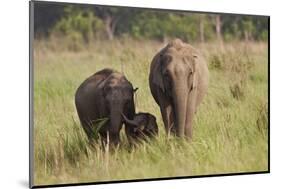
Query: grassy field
[[230, 127]]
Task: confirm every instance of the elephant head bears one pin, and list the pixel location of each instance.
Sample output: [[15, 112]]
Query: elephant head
[[141, 127], [174, 72], [118, 95]]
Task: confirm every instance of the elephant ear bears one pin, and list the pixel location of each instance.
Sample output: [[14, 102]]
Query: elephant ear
[[195, 71], [157, 74]]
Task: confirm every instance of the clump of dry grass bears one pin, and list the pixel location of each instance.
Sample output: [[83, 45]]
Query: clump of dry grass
[[237, 90], [262, 120], [237, 64]]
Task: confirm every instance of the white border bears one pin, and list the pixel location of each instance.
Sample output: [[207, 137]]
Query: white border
[[14, 93]]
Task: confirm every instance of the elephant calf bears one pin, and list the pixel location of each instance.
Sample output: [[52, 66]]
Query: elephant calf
[[141, 127], [106, 94]]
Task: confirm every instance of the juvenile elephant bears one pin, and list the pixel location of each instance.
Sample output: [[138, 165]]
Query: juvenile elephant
[[142, 126], [178, 81], [106, 94]]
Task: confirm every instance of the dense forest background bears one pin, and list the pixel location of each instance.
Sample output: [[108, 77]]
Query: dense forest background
[[87, 22]]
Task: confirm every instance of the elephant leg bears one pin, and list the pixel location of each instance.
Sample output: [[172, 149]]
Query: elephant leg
[[87, 128], [190, 111], [168, 118], [167, 112]]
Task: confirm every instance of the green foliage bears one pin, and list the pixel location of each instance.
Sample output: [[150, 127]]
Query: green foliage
[[80, 22], [241, 27], [161, 25], [98, 21]]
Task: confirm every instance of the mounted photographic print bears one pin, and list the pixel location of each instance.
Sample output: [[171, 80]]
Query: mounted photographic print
[[122, 94]]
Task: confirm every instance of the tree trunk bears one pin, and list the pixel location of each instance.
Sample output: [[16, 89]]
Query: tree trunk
[[115, 123], [109, 28], [201, 29], [218, 27], [218, 30]]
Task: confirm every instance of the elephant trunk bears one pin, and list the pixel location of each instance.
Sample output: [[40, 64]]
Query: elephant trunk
[[115, 123], [131, 122], [179, 100]]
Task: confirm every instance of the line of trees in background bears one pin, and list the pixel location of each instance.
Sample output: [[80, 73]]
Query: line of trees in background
[[90, 22]]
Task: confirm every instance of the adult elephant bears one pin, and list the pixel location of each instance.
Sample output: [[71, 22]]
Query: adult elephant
[[178, 82], [106, 94]]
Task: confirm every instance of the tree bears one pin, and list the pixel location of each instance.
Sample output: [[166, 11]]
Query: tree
[[78, 21], [111, 17], [99, 21], [201, 27], [248, 28], [45, 17], [218, 27]]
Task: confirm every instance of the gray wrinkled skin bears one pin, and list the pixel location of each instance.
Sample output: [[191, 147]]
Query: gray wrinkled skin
[[178, 82]]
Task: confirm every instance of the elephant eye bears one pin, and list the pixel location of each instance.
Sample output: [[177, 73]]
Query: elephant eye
[[190, 72], [165, 73], [127, 104], [166, 58]]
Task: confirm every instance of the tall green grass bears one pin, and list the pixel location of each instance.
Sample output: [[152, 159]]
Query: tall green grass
[[230, 127]]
